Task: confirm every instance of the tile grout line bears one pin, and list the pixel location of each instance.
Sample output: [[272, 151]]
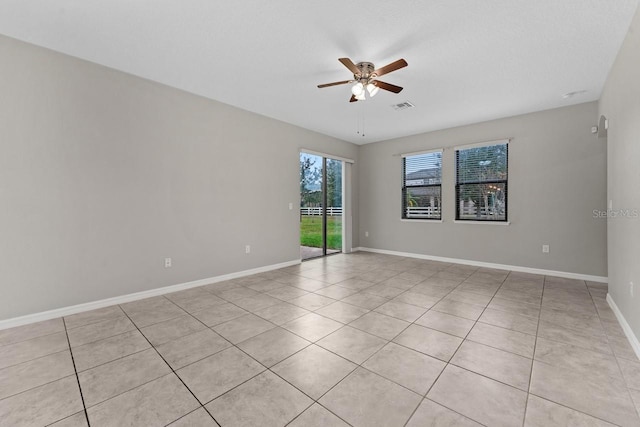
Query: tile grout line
[[312, 343], [458, 348], [535, 343], [388, 342], [342, 357], [447, 363], [248, 355], [116, 359], [624, 380], [268, 368], [568, 407], [410, 324], [29, 361], [41, 385], [189, 413], [313, 402], [29, 339], [84, 406], [475, 323], [572, 409], [553, 401], [232, 345], [170, 367], [343, 325]]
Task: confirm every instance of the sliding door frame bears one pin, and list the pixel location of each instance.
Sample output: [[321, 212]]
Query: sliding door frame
[[346, 199]]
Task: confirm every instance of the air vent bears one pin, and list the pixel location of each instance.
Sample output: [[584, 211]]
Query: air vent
[[403, 106]]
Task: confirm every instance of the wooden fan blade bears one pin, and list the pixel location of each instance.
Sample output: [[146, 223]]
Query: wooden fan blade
[[353, 99], [388, 86], [350, 65], [344, 82], [400, 63]]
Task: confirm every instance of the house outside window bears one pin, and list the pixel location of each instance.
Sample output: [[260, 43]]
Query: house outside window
[[422, 185]]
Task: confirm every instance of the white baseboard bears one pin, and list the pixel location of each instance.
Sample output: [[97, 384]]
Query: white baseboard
[[66, 311], [633, 340], [567, 275]]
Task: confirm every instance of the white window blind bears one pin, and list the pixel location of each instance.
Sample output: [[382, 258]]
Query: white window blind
[[421, 185], [481, 182]]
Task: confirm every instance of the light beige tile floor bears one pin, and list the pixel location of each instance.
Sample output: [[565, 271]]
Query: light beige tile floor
[[361, 339]]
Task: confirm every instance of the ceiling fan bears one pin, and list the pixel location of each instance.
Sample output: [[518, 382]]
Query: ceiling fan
[[365, 75]]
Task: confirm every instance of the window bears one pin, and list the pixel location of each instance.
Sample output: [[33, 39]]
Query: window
[[481, 182], [421, 185]]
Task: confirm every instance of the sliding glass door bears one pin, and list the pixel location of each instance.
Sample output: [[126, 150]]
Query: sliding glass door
[[321, 216]]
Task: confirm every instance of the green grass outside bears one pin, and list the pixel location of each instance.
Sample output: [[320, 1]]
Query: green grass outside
[[311, 232]]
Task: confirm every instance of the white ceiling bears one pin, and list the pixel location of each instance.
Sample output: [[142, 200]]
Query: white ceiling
[[469, 61]]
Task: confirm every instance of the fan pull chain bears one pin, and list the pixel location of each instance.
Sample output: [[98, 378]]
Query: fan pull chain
[[360, 123]]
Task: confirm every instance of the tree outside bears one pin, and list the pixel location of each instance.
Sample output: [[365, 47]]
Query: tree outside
[[334, 183], [481, 182], [311, 196], [310, 180]]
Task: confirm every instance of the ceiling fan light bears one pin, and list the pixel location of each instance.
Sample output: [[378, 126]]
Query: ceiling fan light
[[361, 96], [372, 89], [357, 89]]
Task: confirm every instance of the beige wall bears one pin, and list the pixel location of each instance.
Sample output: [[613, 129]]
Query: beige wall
[[557, 177], [620, 103], [103, 175]]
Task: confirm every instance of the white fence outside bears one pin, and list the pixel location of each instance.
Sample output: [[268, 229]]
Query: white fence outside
[[423, 212], [469, 212], [472, 212], [317, 211]]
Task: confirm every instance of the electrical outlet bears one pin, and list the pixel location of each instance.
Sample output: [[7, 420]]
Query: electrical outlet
[[631, 289], [290, 206], [366, 234], [545, 249], [247, 249], [167, 263]]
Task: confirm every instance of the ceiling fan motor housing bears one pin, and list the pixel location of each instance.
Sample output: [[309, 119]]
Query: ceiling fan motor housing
[[366, 70]]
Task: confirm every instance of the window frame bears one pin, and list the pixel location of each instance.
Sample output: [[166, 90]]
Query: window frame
[[404, 187], [504, 182]]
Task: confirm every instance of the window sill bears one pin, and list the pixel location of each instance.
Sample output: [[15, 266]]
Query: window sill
[[426, 220], [482, 222]]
